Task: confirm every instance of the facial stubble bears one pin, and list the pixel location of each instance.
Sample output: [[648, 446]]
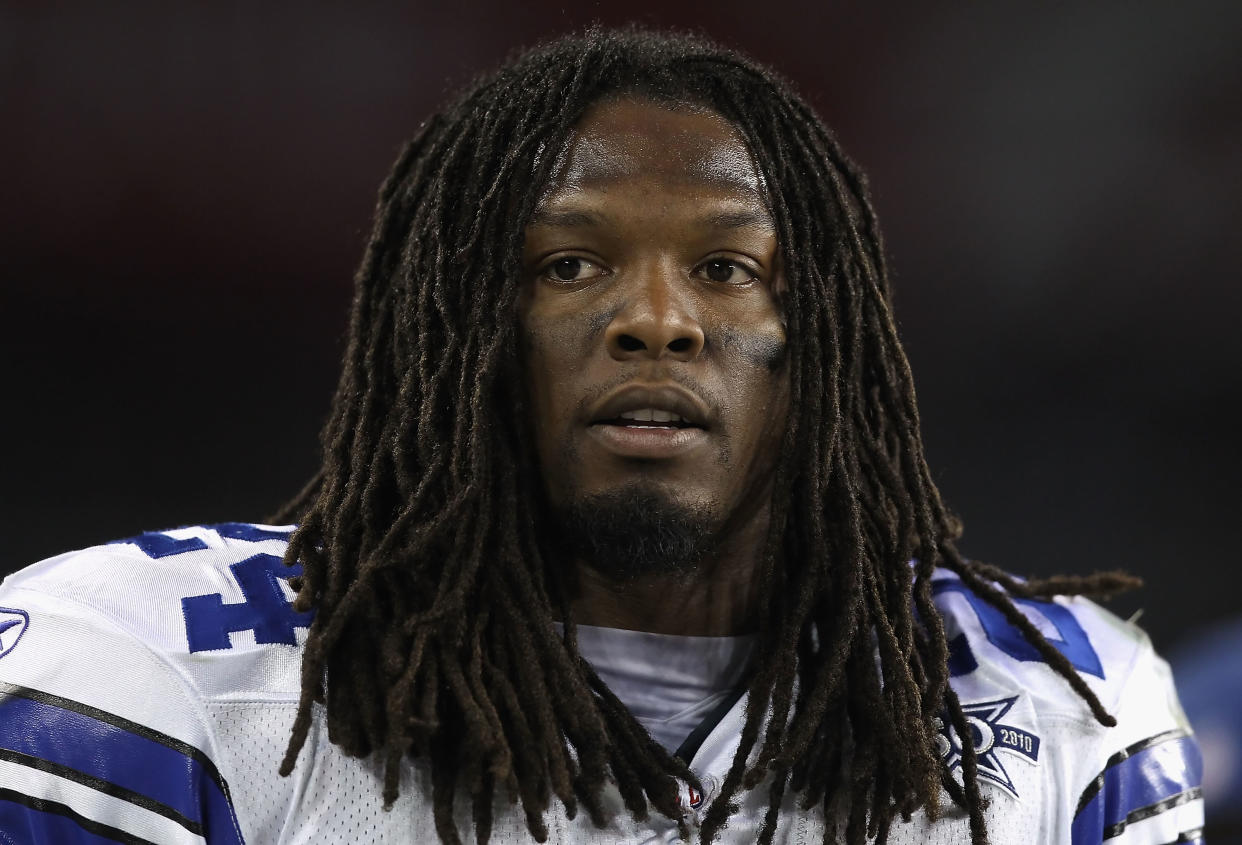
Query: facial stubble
[[636, 532]]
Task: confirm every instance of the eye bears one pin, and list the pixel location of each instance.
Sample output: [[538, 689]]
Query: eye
[[727, 272], [572, 269]]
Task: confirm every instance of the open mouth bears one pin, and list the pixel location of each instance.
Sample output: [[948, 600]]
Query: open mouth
[[646, 433], [649, 418]]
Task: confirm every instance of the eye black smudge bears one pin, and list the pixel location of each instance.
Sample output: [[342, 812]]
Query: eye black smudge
[[596, 323], [762, 350]]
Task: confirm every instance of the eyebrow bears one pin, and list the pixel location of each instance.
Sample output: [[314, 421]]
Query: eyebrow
[[741, 219], [565, 219], [572, 219]]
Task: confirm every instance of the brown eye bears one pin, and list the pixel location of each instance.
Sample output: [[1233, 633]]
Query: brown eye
[[727, 272], [566, 269]]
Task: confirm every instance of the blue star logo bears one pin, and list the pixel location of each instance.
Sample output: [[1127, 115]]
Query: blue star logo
[[989, 736]]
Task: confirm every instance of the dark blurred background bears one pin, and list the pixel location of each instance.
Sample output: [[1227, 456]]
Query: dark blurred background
[[187, 189]]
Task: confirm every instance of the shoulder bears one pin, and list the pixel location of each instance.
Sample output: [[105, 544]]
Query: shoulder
[[207, 606], [1135, 782], [1106, 651], [113, 660], [183, 590]]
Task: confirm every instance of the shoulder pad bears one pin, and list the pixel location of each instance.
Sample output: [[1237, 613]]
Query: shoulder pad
[[203, 596], [987, 649]]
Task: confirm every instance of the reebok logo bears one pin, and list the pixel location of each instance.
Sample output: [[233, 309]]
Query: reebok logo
[[13, 623]]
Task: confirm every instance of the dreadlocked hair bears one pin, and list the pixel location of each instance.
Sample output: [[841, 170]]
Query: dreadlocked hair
[[434, 591]]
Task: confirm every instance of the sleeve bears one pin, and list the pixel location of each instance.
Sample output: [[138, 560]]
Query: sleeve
[[1148, 787], [101, 740]]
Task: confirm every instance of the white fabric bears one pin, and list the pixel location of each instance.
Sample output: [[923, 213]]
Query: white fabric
[[108, 628], [670, 683]]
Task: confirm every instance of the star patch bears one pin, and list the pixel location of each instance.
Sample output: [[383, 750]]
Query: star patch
[[989, 736]]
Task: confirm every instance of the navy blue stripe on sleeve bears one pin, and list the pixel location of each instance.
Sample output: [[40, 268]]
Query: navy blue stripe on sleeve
[[100, 785], [119, 757], [1146, 779], [36, 820]]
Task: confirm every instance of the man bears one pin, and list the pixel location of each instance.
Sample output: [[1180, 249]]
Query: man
[[623, 534]]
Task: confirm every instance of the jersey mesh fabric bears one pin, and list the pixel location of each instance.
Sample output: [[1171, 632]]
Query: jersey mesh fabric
[[108, 629]]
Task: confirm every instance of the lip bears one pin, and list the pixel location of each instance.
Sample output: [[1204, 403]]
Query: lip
[[647, 443], [663, 397]]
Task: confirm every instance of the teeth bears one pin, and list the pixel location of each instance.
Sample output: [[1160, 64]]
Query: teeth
[[651, 415]]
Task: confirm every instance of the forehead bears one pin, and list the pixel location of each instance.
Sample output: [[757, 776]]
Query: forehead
[[629, 140]]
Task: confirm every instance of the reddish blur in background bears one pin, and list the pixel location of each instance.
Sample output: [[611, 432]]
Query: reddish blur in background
[[187, 188]]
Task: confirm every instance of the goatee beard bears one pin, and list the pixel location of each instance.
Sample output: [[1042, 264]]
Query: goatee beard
[[634, 533]]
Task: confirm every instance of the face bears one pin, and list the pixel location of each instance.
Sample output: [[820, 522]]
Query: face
[[654, 345]]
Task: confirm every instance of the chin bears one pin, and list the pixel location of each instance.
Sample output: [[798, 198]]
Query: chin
[[637, 531]]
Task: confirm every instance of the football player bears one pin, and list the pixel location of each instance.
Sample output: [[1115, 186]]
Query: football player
[[623, 533]]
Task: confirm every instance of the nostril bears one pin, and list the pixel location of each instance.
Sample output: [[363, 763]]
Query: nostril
[[681, 344], [630, 343]]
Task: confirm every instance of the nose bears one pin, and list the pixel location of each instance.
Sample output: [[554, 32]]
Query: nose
[[656, 319]]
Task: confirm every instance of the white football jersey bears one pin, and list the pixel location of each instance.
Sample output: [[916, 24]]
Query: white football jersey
[[148, 687]]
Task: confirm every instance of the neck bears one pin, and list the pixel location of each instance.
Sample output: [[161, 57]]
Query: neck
[[719, 598]]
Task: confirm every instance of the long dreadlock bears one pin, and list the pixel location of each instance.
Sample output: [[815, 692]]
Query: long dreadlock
[[420, 540]]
